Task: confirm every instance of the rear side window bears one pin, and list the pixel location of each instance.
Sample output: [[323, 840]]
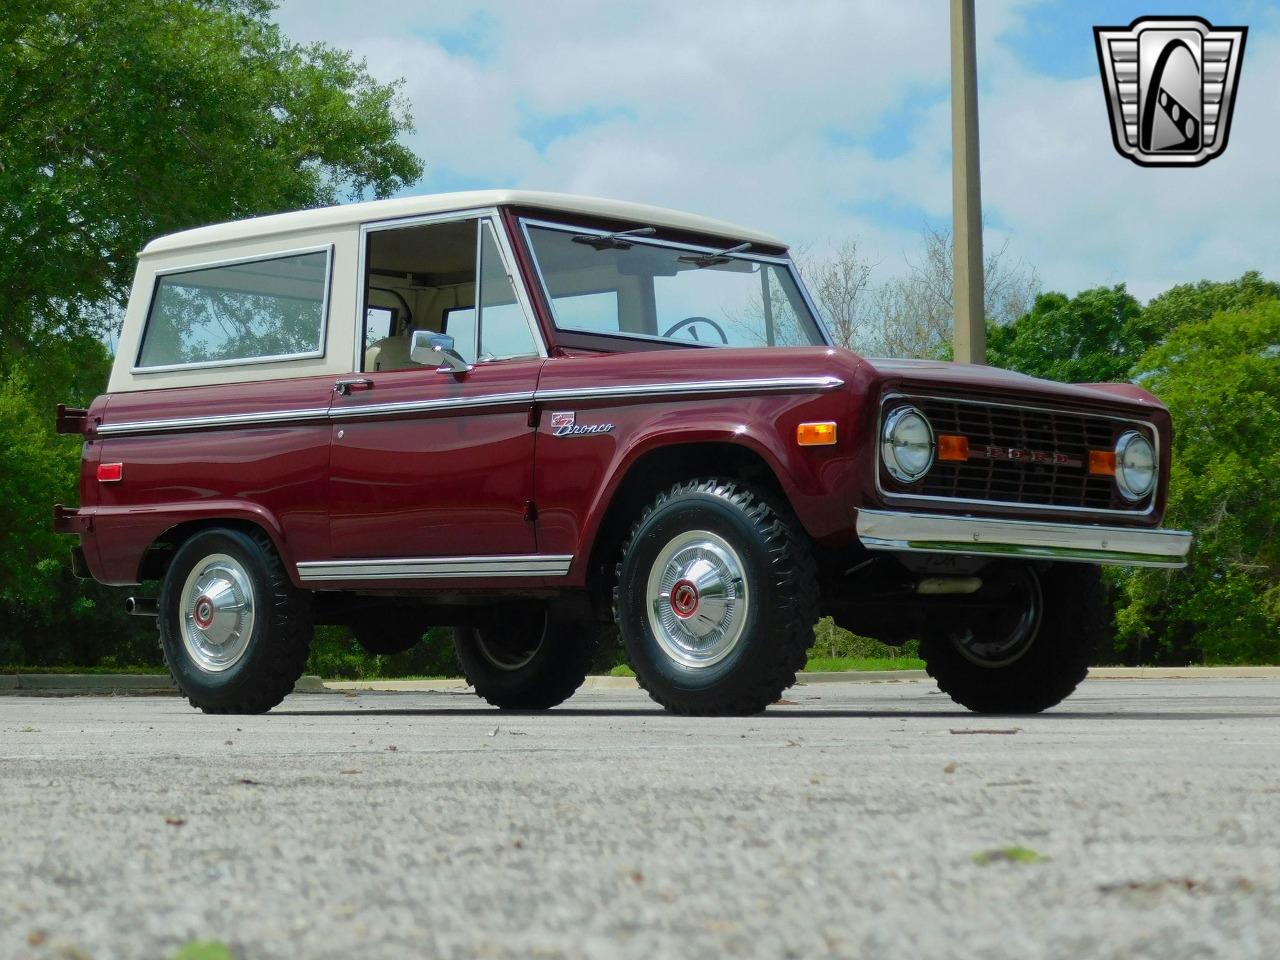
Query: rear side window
[[254, 310]]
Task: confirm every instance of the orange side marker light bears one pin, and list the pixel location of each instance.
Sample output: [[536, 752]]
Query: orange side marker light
[[1102, 462], [953, 448], [816, 434]]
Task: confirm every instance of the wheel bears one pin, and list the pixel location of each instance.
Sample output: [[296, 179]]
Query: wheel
[[1028, 647], [389, 631], [528, 662], [234, 631], [716, 599]]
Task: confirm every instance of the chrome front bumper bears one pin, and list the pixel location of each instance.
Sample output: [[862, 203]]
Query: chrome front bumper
[[1028, 539]]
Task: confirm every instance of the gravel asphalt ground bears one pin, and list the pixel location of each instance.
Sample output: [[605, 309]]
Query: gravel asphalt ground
[[848, 821]]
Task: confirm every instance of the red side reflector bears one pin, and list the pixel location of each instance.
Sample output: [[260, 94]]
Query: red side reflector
[[110, 472], [1102, 462], [953, 448]]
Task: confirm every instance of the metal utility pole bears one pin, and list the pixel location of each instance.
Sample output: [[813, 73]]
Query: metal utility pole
[[966, 192]]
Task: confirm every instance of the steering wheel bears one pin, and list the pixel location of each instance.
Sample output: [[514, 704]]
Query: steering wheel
[[691, 321]]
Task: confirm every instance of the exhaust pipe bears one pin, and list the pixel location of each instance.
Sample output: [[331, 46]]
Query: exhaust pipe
[[142, 607], [948, 586]]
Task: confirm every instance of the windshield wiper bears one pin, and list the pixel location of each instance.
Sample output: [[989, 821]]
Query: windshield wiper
[[613, 241], [701, 260]]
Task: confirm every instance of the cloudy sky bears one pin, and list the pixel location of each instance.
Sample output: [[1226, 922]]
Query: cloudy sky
[[822, 120]]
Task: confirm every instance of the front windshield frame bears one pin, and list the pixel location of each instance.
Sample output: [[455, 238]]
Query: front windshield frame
[[783, 262]]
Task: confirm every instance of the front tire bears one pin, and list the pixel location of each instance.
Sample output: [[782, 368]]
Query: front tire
[[716, 599], [531, 662], [1029, 656], [234, 631]]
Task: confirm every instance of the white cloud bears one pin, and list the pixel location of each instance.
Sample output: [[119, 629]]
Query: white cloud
[[728, 109]]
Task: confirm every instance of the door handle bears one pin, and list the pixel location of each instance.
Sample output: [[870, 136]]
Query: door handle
[[346, 387]]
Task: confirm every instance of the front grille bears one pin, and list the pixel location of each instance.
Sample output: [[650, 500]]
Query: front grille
[[1047, 435]]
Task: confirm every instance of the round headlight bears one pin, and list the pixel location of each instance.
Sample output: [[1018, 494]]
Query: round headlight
[[906, 444], [1135, 465]]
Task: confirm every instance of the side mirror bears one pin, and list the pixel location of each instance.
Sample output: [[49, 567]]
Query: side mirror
[[427, 348]]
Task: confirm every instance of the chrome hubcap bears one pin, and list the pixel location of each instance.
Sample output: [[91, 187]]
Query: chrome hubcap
[[697, 598], [217, 613]]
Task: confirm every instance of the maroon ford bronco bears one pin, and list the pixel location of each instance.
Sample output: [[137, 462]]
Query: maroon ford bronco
[[533, 416]]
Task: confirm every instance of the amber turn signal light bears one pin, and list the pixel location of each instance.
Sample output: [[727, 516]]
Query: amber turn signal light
[[816, 434], [1102, 462], [953, 448]]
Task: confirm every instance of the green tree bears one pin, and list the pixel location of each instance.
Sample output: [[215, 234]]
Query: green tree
[[1220, 378], [124, 119], [121, 120], [1093, 337], [46, 615], [1197, 302]]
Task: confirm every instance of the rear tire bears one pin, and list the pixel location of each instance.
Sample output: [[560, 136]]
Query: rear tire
[[389, 631], [526, 662], [234, 631], [984, 664], [716, 599]]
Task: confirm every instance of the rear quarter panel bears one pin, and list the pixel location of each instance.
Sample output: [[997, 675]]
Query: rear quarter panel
[[273, 475]]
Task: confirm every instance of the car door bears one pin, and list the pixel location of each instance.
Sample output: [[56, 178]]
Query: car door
[[429, 465]]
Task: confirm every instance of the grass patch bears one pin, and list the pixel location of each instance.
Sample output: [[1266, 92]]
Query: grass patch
[[622, 670], [204, 950], [1008, 855], [841, 664]]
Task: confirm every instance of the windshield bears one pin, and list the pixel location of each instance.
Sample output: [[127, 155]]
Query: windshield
[[618, 285]]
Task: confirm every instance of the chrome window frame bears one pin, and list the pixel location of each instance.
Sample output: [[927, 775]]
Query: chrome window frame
[[326, 248], [505, 251], [787, 262], [890, 496]]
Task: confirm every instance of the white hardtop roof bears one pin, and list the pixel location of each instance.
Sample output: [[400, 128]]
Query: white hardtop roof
[[375, 210]]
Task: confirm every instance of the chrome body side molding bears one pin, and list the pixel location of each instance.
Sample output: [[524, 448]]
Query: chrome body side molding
[[764, 385], [179, 424], [429, 406], [445, 404], [435, 568], [1024, 539]]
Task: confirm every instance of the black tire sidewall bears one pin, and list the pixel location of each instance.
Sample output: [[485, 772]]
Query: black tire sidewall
[[1072, 626], [695, 510], [556, 670], [232, 685]]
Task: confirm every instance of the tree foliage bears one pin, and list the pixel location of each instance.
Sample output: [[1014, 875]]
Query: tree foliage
[[1093, 337], [124, 119], [1220, 378], [1211, 352], [121, 120]]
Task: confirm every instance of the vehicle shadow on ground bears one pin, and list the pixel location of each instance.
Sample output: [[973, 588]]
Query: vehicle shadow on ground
[[973, 722]]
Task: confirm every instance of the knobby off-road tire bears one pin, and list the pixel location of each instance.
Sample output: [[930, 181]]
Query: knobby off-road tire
[[716, 598], [234, 631], [528, 662], [1043, 671]]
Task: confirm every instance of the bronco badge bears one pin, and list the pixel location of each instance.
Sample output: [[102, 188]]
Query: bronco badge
[[565, 424], [1170, 84]]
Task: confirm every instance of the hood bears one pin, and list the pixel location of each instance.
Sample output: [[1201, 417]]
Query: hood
[[974, 378]]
